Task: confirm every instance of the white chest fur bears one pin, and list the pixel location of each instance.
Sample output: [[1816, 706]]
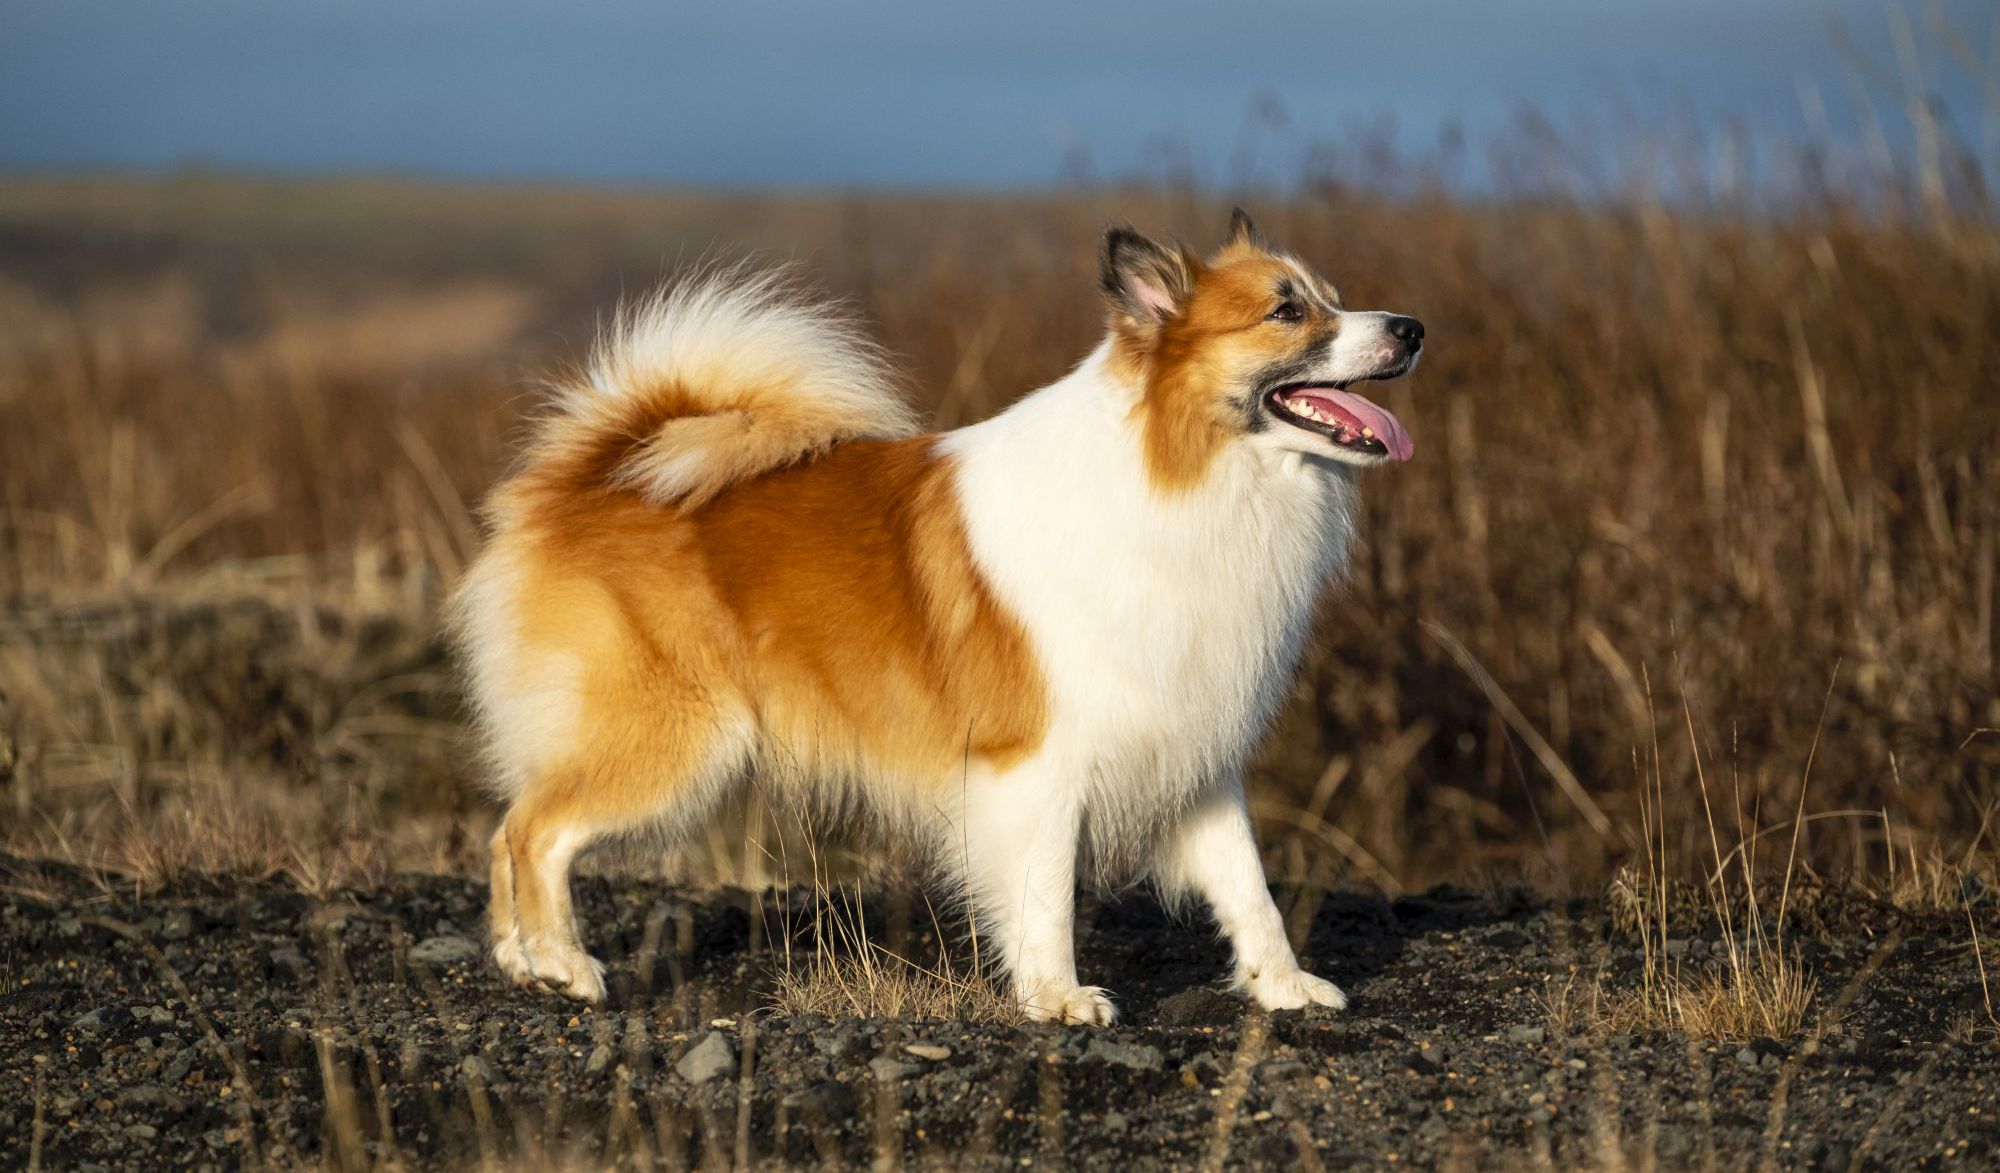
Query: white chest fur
[[1167, 625]]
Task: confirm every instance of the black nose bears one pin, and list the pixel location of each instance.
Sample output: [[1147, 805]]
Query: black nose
[[1407, 331]]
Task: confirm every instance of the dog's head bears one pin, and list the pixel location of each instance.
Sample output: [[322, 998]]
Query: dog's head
[[1250, 346]]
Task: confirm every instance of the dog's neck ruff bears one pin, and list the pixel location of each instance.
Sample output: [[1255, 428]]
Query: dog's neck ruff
[[1168, 624]]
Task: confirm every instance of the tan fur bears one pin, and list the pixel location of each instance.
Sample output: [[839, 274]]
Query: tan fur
[[1220, 331], [831, 610]]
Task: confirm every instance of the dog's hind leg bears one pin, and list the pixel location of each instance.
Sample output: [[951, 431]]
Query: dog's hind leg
[[672, 775], [503, 928]]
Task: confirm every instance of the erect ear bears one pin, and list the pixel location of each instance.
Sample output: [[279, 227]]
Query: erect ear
[[1242, 231], [1142, 279]]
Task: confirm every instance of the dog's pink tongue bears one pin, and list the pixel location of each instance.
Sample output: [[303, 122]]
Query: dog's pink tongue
[[1369, 414]]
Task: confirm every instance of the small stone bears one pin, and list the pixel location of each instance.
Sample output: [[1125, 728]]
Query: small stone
[[931, 1051], [1748, 1058], [102, 1019], [710, 1057], [145, 1095], [1527, 1036], [476, 1067], [836, 1043], [888, 1070], [447, 949], [600, 1058], [1137, 1056]]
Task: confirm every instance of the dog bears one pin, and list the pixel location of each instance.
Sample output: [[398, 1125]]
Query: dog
[[1039, 648]]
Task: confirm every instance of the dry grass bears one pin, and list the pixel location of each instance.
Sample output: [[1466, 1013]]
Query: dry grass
[[834, 967], [1757, 988], [247, 421]]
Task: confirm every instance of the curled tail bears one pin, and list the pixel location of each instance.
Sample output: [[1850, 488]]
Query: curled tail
[[715, 380]]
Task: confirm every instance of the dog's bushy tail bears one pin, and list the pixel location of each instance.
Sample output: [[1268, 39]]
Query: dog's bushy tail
[[714, 380]]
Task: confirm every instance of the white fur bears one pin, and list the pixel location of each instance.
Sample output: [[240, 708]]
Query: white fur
[[523, 728], [1167, 628], [748, 342], [1363, 347]]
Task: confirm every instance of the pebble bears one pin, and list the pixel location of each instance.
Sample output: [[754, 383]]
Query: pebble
[[888, 1070], [931, 1051], [475, 1067], [1137, 1056], [1530, 1036], [600, 1058], [102, 1019], [144, 1095], [837, 1042], [179, 925], [449, 949], [710, 1057]]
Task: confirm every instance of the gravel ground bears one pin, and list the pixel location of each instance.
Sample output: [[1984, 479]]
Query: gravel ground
[[225, 1024]]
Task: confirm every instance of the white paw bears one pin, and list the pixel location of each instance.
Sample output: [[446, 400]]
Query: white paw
[[511, 957], [565, 969], [1290, 989], [1076, 1006]]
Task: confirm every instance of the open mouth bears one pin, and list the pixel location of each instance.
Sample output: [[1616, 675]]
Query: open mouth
[[1353, 422]]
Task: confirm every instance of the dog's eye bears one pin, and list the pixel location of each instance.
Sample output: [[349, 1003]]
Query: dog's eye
[[1287, 311]]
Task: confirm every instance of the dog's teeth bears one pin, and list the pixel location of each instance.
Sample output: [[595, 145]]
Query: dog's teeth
[[1368, 432]]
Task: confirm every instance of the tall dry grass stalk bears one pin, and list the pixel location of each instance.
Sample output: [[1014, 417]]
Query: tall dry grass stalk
[[1760, 988]]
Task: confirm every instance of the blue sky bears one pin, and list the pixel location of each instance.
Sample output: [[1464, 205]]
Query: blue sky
[[887, 92]]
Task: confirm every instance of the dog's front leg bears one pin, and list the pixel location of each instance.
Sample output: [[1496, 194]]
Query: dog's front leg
[[1019, 852], [1212, 853]]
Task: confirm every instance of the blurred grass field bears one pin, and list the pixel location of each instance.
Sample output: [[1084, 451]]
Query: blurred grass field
[[1691, 477]]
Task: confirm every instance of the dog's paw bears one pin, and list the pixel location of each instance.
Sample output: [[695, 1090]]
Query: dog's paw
[[1292, 989], [1076, 1006], [565, 969], [581, 977], [512, 958]]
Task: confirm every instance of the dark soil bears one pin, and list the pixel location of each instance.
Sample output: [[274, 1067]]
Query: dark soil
[[230, 1024]]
